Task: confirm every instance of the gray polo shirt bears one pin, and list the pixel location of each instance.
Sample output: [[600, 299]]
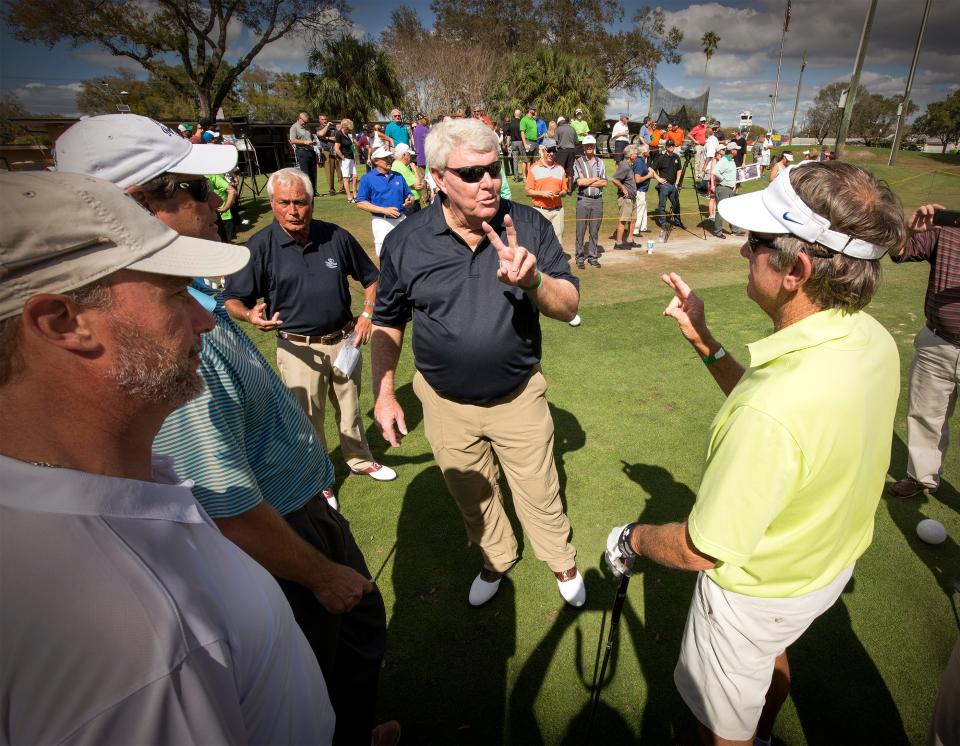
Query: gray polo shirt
[[299, 132], [129, 618]]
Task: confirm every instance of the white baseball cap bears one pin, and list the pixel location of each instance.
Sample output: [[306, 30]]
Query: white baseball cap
[[400, 148], [588, 140], [778, 209], [381, 152], [789, 157], [561, 120], [703, 119], [129, 150], [60, 231]]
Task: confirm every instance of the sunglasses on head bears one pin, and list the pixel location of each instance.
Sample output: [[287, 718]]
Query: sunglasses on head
[[755, 242], [550, 150], [473, 174], [199, 189]]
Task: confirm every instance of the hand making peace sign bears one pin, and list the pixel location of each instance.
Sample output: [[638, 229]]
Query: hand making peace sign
[[517, 265]]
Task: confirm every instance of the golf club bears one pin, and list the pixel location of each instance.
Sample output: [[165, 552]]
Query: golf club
[[611, 638]]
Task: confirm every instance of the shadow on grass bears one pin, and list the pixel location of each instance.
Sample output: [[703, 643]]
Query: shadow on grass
[[655, 639], [943, 560], [445, 671]]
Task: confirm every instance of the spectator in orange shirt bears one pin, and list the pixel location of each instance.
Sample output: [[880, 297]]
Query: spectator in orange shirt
[[546, 184], [675, 134]]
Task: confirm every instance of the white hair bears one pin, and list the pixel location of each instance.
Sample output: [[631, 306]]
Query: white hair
[[289, 176], [471, 133]]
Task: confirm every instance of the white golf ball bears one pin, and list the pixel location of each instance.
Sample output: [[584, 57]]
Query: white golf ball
[[931, 531], [575, 321]]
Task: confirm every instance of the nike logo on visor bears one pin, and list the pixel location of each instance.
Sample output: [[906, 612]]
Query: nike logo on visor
[[786, 216]]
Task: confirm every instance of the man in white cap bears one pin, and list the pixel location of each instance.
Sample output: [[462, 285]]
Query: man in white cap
[[798, 453], [724, 182], [590, 177], [153, 627], [766, 152], [385, 195], [620, 137], [258, 467], [581, 126], [698, 133]]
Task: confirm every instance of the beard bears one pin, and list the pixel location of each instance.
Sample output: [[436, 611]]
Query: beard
[[154, 373]]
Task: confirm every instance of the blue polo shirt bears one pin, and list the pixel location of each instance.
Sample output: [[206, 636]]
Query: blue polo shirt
[[383, 190], [640, 168]]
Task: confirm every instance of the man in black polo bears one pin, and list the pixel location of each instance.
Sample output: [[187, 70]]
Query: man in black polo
[[300, 270], [667, 170], [477, 272], [302, 141]]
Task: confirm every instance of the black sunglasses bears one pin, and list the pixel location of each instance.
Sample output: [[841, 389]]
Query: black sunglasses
[[473, 174], [199, 189], [755, 242]]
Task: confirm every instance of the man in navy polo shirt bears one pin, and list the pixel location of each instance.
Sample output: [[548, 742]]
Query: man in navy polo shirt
[[477, 272], [300, 266], [385, 195]]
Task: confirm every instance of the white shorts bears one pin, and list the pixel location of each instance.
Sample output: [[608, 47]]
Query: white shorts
[[348, 168], [381, 227], [729, 647]]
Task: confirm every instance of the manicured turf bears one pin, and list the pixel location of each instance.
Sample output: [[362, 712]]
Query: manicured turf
[[632, 405]]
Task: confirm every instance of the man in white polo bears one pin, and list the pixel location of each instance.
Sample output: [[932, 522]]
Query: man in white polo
[[127, 616], [797, 455]]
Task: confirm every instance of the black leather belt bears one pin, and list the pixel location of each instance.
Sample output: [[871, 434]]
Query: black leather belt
[[953, 339], [326, 339]]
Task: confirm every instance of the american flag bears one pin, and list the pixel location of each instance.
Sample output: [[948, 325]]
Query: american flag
[[786, 18]]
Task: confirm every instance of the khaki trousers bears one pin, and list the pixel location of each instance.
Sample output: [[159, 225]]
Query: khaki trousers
[[473, 442], [556, 220], [934, 375], [307, 370]]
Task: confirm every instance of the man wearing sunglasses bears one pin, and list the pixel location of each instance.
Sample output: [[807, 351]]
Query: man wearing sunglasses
[[259, 469], [797, 455], [396, 130], [474, 273], [546, 184]]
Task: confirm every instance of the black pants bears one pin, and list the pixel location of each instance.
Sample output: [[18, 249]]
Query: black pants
[[349, 647], [618, 147], [565, 159], [307, 162]]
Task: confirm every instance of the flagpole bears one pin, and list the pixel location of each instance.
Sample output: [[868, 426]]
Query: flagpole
[[776, 90], [905, 104], [796, 103]]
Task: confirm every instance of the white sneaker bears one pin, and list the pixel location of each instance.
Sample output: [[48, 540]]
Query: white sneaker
[[378, 471], [636, 233], [575, 321], [574, 592], [482, 590]]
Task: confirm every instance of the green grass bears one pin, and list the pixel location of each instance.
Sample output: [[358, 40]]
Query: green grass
[[632, 406]]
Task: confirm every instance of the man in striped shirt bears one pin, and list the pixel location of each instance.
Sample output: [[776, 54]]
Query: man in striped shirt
[[258, 467]]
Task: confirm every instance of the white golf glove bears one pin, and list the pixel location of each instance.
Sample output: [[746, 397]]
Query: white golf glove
[[620, 555]]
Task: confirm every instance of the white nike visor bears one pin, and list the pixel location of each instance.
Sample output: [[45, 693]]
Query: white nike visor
[[778, 210]]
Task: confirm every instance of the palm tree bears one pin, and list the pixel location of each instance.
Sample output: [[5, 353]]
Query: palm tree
[[354, 79], [710, 41]]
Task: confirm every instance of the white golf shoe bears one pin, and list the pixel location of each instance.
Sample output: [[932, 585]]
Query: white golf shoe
[[482, 589], [570, 583]]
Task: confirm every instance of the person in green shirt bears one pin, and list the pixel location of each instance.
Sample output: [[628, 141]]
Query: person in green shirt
[[528, 133], [224, 189], [725, 181], [581, 127], [797, 456], [402, 165]]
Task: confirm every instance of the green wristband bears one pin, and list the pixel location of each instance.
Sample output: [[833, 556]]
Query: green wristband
[[711, 359], [535, 285]]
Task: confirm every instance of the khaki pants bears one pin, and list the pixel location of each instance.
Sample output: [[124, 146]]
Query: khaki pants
[[556, 220], [934, 375], [516, 432], [307, 370]]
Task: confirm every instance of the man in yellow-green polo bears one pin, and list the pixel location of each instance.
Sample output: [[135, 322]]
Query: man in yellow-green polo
[[798, 453]]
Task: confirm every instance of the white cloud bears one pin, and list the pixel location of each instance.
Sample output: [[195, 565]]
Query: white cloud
[[41, 98]]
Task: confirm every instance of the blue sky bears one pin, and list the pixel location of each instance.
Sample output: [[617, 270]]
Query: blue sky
[[741, 74]]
